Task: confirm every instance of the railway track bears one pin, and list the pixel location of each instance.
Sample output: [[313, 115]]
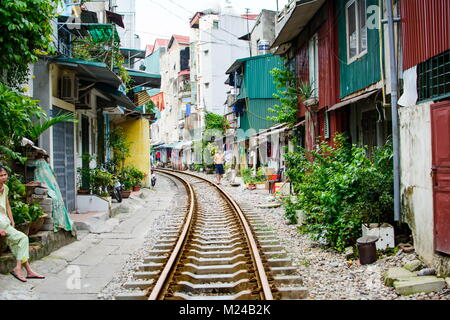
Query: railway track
[[213, 250]]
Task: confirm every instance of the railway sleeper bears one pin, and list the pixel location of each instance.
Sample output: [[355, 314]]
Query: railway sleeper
[[217, 242], [268, 248], [213, 269], [283, 270], [215, 261], [163, 252], [226, 277], [269, 242], [281, 280], [131, 296], [216, 248], [155, 259], [275, 254], [243, 295], [213, 287], [216, 254], [164, 246], [151, 266], [146, 275], [139, 284], [291, 293]]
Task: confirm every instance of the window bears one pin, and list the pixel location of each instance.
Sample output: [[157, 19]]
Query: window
[[215, 24], [314, 64], [433, 77], [356, 29]]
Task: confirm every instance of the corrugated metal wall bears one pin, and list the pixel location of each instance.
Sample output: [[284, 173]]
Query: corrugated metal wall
[[258, 80], [256, 115], [328, 60], [426, 30], [365, 71], [302, 68]]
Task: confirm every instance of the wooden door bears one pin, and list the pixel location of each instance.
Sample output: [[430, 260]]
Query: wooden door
[[440, 123]]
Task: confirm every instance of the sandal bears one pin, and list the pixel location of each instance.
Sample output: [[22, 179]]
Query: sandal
[[36, 277], [17, 277]]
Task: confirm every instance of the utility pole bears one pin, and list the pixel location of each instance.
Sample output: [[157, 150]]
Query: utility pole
[[394, 107], [247, 10], [277, 7]]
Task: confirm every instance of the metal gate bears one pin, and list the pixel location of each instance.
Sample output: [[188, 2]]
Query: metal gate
[[440, 123], [64, 159]]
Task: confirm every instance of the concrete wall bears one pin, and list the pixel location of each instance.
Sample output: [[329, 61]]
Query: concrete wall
[[416, 182], [138, 132], [264, 30]]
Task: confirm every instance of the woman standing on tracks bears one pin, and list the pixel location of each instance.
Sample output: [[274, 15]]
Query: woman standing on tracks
[[16, 240], [218, 162]]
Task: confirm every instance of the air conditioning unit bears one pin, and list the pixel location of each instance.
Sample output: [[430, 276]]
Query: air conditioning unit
[[69, 88]]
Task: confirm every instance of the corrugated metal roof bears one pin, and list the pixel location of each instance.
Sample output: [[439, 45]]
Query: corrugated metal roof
[[426, 30]]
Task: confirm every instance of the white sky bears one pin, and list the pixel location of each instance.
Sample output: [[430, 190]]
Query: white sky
[[162, 18]]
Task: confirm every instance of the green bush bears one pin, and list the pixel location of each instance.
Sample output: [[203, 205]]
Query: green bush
[[339, 188], [101, 182], [131, 177]]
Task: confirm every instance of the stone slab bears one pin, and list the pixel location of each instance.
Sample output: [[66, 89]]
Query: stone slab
[[395, 274], [413, 266], [447, 281], [415, 285], [268, 205]]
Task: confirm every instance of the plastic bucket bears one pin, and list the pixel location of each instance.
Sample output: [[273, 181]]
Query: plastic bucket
[[367, 249]]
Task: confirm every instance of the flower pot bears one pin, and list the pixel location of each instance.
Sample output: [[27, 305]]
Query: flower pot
[[24, 227], [126, 194], [84, 192], [36, 226], [251, 186], [135, 189]]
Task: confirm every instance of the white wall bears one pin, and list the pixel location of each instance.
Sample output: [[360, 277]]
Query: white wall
[[223, 48], [416, 164]]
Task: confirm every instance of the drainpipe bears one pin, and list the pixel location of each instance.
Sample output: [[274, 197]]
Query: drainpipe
[[394, 103]]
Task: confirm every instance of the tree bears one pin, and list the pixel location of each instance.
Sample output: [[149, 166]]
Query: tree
[[26, 33]]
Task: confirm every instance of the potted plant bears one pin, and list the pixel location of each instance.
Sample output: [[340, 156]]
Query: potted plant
[[85, 174], [126, 178], [101, 182], [307, 94], [137, 176], [21, 215], [37, 216]]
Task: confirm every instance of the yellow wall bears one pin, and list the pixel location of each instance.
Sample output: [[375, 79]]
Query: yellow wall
[[138, 133]]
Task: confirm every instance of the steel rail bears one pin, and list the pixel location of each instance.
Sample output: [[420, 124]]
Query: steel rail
[[260, 270], [161, 285]]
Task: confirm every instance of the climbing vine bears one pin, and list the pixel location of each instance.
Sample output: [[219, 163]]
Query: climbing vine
[[287, 86], [26, 33]]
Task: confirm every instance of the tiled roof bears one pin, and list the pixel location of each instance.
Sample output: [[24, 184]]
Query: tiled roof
[[149, 49], [181, 39]]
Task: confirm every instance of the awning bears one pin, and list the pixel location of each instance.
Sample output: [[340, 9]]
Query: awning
[[117, 97], [295, 21], [90, 70], [103, 32], [353, 100], [239, 62], [145, 79], [132, 53]]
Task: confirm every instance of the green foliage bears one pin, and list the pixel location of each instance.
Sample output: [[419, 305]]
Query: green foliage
[[306, 90], [35, 212], [38, 128], [16, 188], [117, 141], [21, 212], [339, 189], [26, 33], [101, 181], [107, 52], [17, 113], [287, 94], [248, 177], [131, 177], [216, 122]]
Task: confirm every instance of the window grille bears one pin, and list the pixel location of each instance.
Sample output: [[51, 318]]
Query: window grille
[[433, 77]]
